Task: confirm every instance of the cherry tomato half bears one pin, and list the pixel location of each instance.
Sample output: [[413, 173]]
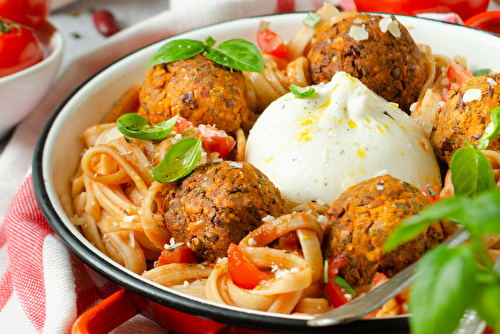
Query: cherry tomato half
[[181, 254], [31, 13], [20, 48], [464, 8], [243, 273], [268, 41]]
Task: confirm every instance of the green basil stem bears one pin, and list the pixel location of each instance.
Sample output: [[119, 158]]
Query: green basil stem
[[479, 247]]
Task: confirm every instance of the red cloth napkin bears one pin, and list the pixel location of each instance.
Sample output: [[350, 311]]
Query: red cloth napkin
[[43, 287]]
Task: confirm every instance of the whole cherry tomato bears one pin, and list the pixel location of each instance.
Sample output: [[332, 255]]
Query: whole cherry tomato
[[464, 8], [31, 13], [20, 48]]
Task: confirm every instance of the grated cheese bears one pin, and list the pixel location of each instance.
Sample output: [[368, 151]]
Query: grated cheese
[[491, 81], [252, 242], [268, 219]]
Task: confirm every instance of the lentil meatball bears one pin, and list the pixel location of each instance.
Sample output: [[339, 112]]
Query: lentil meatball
[[362, 218], [391, 66], [197, 89], [463, 119], [219, 204]]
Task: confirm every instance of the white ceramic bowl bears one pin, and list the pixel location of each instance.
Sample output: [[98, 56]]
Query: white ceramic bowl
[[58, 154], [22, 91]]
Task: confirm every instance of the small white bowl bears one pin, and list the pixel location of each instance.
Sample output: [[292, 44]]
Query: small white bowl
[[21, 92]]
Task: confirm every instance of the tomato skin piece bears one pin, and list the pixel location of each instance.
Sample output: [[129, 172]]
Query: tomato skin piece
[[31, 13], [336, 262], [336, 294], [378, 280], [457, 75], [20, 48], [182, 124], [181, 254], [270, 42], [243, 273], [216, 140]]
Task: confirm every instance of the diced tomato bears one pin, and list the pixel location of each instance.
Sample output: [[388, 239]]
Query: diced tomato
[[336, 262], [243, 273], [182, 124], [431, 192], [181, 254], [378, 280], [337, 294], [270, 42], [456, 74], [216, 140]]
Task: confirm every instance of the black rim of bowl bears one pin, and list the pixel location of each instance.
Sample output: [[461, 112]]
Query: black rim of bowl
[[165, 298]]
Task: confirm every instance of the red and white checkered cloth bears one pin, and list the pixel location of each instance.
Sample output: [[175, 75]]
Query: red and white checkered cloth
[[43, 287]]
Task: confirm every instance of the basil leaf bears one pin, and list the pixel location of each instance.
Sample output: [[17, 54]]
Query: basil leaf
[[340, 281], [451, 208], [487, 302], [491, 130], [238, 54], [482, 214], [471, 172], [136, 126], [179, 161], [480, 72], [302, 92], [443, 289], [176, 50], [209, 41], [312, 19]]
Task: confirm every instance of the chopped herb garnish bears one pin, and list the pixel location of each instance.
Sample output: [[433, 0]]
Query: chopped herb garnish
[[491, 131], [483, 71], [136, 126], [325, 272], [340, 281], [177, 244], [235, 53], [431, 191], [302, 92], [264, 26], [128, 140], [179, 161], [312, 19], [387, 114]]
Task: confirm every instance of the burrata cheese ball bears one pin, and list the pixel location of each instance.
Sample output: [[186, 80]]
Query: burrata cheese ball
[[315, 148]]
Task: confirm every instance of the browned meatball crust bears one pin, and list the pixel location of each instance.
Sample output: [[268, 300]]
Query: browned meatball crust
[[364, 216], [392, 67], [219, 204], [462, 120], [197, 89]]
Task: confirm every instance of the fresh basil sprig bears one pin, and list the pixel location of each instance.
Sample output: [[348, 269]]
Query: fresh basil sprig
[[491, 131], [483, 71], [235, 53], [179, 160], [449, 280], [312, 19], [136, 126], [302, 92], [471, 172]]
